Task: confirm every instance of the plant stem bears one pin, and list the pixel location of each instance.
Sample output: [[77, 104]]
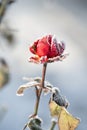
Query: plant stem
[[39, 91], [43, 74], [53, 125]]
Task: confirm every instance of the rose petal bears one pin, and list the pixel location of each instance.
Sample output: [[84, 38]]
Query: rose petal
[[43, 48], [34, 59]]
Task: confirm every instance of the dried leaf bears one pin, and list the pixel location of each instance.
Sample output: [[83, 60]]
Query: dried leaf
[[54, 109], [21, 89], [38, 79], [34, 82], [4, 73], [65, 120]]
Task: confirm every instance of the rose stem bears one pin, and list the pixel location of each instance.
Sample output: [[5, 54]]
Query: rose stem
[[38, 92], [53, 125]]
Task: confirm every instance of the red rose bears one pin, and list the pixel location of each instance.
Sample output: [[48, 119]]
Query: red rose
[[46, 48]]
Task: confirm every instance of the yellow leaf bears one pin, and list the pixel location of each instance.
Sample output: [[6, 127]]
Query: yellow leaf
[[4, 78], [65, 120], [54, 109]]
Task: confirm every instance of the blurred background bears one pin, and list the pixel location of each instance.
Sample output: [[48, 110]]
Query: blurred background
[[22, 23]]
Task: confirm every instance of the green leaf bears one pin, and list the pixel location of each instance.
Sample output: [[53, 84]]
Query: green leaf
[[35, 124]]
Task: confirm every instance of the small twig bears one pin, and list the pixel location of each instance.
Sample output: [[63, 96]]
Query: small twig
[[3, 7], [53, 125], [25, 127]]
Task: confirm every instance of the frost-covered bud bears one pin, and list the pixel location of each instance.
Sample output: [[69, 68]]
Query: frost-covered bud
[[58, 98], [45, 48]]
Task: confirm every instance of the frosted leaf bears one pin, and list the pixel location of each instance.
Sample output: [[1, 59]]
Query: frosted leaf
[[21, 89]]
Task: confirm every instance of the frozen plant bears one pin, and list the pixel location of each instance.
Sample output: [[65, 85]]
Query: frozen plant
[[48, 50]]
